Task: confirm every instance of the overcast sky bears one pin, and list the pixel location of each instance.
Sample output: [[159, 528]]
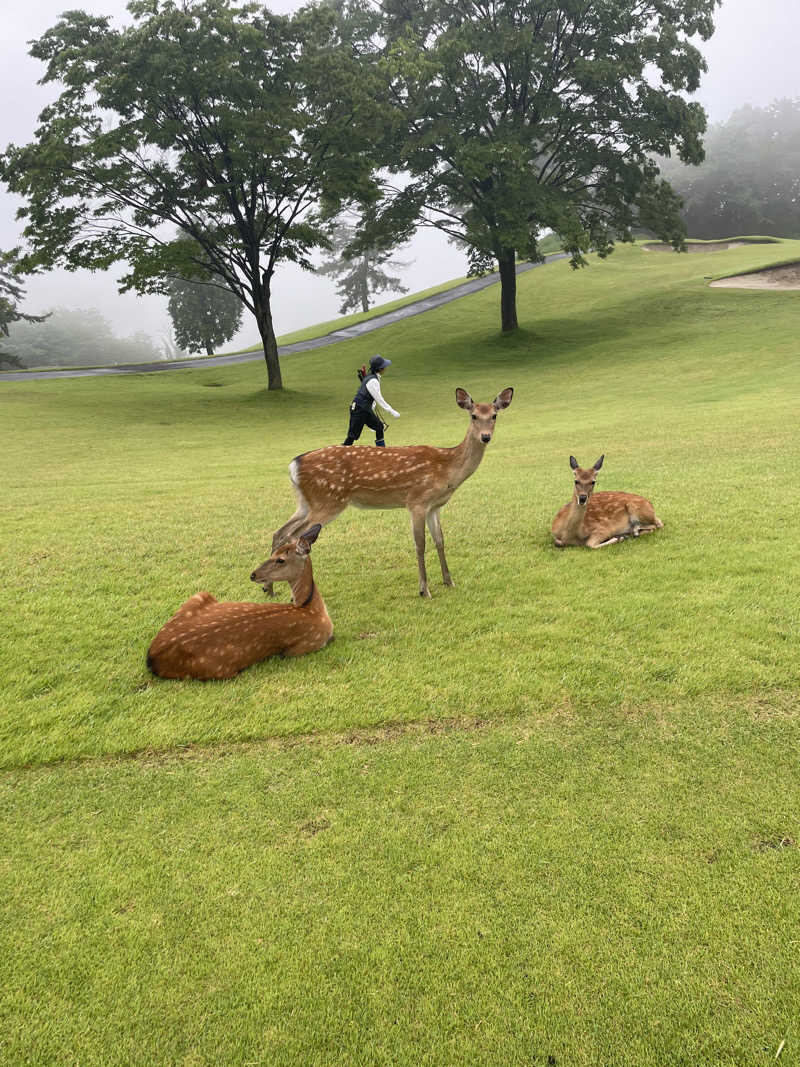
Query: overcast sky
[[752, 58]]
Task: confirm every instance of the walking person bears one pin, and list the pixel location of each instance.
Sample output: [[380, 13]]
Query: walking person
[[363, 411]]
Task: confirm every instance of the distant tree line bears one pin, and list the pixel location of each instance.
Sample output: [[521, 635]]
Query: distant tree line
[[749, 182], [75, 337], [250, 133]]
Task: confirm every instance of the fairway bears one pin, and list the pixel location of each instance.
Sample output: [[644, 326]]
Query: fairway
[[548, 817]]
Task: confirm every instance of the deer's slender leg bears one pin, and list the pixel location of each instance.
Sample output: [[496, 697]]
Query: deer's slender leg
[[598, 542], [291, 526], [304, 517], [418, 530], [435, 527], [284, 533]]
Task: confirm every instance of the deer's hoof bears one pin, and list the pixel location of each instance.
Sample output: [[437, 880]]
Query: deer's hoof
[[425, 593]]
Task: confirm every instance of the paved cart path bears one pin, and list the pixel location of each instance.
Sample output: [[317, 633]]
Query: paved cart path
[[347, 333]]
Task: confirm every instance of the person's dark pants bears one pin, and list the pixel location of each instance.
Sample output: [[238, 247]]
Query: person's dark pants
[[359, 418]]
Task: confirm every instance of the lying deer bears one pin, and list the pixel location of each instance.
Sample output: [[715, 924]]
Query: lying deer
[[418, 477], [206, 639], [599, 519]]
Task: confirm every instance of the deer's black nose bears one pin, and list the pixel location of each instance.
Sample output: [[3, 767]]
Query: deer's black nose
[[253, 576], [581, 499], [486, 438]]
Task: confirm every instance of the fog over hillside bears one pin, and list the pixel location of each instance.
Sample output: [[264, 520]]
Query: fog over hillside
[[751, 59]]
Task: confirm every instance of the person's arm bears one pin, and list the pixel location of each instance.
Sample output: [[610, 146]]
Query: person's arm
[[374, 390]]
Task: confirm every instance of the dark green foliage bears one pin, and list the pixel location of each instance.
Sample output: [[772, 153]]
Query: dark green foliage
[[359, 276], [239, 127], [203, 314], [750, 180], [523, 115]]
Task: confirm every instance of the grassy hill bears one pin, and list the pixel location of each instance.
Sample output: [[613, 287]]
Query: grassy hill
[[548, 817]]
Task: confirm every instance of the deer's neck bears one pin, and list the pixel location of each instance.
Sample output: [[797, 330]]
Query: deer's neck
[[575, 517], [303, 588], [465, 459]]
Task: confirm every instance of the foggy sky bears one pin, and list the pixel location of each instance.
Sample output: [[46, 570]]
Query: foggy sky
[[752, 59]]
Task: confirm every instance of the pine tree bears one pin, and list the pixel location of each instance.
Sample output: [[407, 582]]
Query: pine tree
[[360, 275], [11, 292]]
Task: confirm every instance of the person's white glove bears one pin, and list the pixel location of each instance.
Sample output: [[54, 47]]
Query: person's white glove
[[395, 413]]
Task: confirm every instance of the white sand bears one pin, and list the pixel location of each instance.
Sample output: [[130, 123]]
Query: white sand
[[691, 246], [786, 277]]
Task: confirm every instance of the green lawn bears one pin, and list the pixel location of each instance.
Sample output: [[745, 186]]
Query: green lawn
[[548, 817]]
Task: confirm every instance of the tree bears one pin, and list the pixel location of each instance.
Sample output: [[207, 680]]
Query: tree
[[526, 114], [359, 276], [241, 128], [11, 292], [750, 180], [203, 314]]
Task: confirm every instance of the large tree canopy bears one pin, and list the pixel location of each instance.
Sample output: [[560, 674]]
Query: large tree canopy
[[750, 180], [527, 114], [239, 127]]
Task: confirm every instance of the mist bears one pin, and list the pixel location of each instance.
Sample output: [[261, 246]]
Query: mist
[[751, 59]]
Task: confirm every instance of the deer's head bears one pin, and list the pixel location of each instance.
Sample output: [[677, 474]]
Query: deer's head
[[483, 415], [288, 561], [584, 479]]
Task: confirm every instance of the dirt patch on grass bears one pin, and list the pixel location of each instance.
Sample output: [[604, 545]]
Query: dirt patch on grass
[[696, 246], [785, 277], [769, 844]]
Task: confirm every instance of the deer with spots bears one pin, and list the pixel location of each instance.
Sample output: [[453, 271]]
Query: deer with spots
[[207, 639], [420, 478], [596, 520]]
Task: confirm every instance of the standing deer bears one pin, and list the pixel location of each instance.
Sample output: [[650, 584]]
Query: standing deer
[[418, 477], [600, 519], [206, 639]]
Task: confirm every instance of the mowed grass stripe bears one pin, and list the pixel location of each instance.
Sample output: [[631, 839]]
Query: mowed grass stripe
[[547, 891]]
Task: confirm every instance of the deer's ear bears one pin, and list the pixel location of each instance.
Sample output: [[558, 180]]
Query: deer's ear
[[464, 400], [307, 539], [502, 400], [573, 463], [599, 463]]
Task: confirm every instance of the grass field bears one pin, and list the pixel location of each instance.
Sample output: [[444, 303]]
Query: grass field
[[549, 817]]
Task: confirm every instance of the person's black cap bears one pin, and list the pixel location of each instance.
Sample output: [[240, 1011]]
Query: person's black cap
[[378, 363]]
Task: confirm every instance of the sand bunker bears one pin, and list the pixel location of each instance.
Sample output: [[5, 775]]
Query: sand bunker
[[786, 277], [696, 246]]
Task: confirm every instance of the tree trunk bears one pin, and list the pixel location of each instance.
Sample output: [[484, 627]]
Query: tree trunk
[[507, 261], [264, 319], [365, 288]]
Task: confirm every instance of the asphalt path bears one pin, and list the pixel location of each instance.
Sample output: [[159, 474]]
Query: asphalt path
[[347, 333]]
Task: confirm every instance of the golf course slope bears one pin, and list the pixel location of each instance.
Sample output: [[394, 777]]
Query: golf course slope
[[549, 817]]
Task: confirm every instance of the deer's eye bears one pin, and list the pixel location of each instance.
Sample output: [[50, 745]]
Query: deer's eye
[[577, 483], [593, 484], [494, 417], [474, 418], [280, 560]]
